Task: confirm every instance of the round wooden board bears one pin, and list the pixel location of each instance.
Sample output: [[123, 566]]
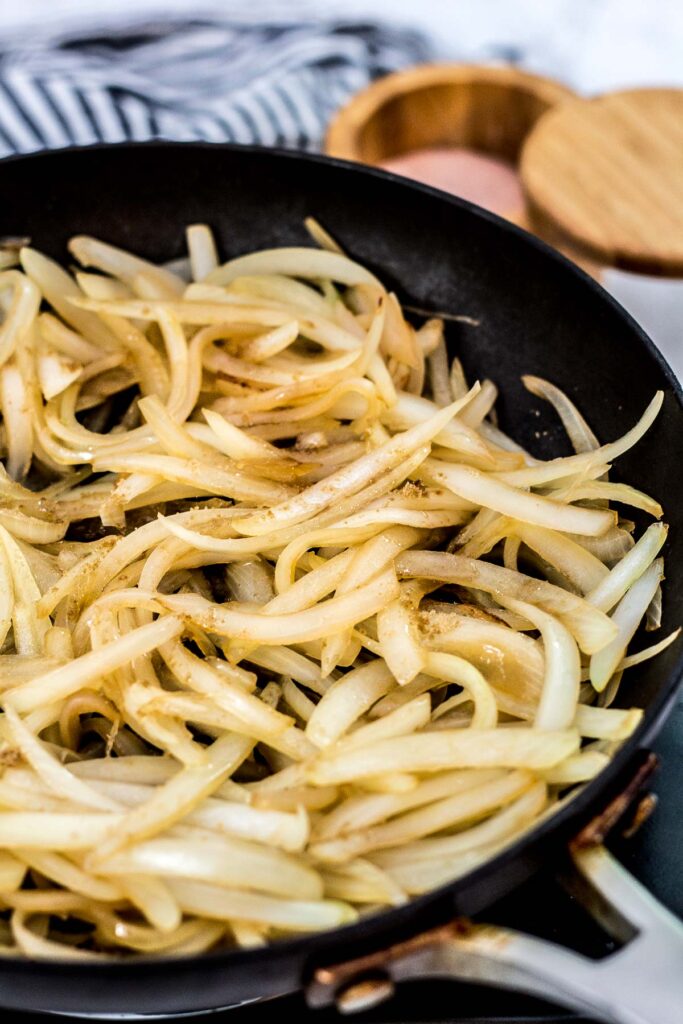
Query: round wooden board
[[608, 174]]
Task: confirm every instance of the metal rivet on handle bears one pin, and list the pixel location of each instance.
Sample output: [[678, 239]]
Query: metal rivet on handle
[[364, 995]]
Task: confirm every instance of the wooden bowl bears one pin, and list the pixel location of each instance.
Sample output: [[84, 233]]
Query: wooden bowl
[[489, 109]]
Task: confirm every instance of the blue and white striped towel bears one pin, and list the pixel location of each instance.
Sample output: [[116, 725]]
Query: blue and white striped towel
[[215, 80]]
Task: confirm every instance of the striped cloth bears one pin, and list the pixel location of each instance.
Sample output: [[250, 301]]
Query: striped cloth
[[214, 80]]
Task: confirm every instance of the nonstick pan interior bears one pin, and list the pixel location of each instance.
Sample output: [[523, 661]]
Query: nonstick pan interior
[[534, 312]]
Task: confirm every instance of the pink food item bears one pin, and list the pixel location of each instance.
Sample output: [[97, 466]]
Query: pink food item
[[485, 180]]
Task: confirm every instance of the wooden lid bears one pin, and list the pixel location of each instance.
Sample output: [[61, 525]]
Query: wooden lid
[[607, 174]]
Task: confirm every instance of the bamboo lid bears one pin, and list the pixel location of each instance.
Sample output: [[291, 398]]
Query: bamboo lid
[[607, 174]]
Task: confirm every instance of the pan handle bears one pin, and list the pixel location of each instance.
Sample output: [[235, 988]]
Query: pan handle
[[640, 983]]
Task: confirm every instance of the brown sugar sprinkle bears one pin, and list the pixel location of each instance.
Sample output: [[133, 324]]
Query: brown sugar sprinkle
[[413, 489], [10, 757]]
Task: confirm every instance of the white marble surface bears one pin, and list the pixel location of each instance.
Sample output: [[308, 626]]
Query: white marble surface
[[593, 45], [657, 305]]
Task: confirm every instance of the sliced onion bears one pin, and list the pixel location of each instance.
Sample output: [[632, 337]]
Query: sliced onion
[[626, 616], [484, 490], [350, 479], [294, 263], [346, 700], [55, 775], [557, 469], [16, 411], [468, 748], [92, 667], [580, 434], [611, 589], [443, 814], [202, 249], [580, 567], [92, 253], [20, 315], [591, 627], [562, 675], [309, 624], [452, 669]]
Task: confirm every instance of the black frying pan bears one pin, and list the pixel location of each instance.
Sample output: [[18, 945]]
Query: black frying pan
[[537, 314]]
